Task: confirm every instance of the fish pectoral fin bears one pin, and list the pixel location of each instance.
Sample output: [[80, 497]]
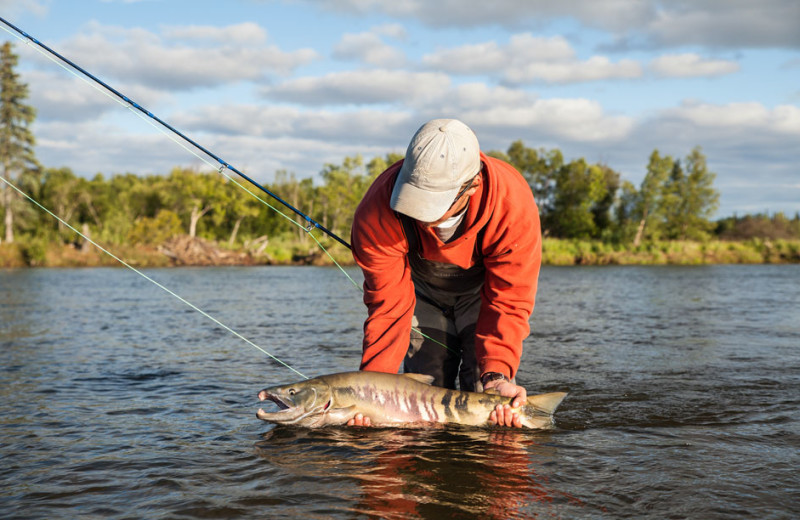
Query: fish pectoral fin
[[341, 415], [422, 378], [547, 402]]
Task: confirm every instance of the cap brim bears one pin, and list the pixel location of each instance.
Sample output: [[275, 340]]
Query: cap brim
[[422, 205]]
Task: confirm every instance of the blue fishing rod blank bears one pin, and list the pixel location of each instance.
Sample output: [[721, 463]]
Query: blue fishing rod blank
[[223, 164]]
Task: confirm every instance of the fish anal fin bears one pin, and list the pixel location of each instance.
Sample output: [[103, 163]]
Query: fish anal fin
[[421, 378], [547, 402]]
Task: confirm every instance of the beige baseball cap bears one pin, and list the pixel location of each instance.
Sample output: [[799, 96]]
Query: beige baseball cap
[[442, 155]]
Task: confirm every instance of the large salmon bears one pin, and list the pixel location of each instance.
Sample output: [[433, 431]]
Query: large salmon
[[397, 400]]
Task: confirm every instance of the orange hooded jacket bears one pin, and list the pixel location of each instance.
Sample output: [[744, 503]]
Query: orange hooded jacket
[[504, 207]]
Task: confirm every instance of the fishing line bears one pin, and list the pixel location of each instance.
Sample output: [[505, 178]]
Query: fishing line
[[173, 134], [140, 273]]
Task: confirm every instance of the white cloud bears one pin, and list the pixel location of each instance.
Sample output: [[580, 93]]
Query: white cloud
[[256, 120], [369, 48], [478, 58], [487, 57], [725, 23], [716, 23], [515, 111], [691, 65], [509, 13], [575, 120], [67, 98], [746, 117], [138, 56], [596, 68], [247, 33], [89, 147], [361, 87], [392, 30], [528, 59], [14, 7]]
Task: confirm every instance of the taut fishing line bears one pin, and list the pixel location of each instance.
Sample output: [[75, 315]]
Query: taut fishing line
[[192, 147], [143, 275]]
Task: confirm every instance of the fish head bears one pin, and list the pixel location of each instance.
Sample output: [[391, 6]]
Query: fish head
[[302, 404]]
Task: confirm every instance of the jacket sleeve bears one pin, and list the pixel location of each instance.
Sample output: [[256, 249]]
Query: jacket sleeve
[[509, 291], [379, 248]]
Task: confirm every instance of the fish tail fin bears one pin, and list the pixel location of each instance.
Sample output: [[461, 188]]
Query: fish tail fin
[[547, 402]]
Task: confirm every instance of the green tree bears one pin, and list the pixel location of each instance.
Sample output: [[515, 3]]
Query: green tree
[[541, 169], [232, 206], [193, 195], [122, 200], [601, 209], [672, 202], [651, 197], [344, 187], [155, 230], [379, 164], [67, 195], [16, 139], [301, 194], [581, 193], [690, 199], [625, 213]]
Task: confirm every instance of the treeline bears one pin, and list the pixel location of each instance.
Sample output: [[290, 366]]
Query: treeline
[[147, 210], [577, 200]]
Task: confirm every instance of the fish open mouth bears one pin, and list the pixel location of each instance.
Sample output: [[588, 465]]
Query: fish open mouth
[[292, 408], [275, 399], [286, 411]]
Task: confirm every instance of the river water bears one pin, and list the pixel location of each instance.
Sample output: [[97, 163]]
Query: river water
[[119, 401]]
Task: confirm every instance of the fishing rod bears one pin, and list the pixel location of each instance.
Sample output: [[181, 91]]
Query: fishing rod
[[223, 165], [162, 125]]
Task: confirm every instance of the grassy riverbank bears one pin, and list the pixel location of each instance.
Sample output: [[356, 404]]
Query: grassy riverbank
[[555, 252], [754, 251]]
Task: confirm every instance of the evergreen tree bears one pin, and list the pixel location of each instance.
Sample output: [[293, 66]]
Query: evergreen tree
[[673, 203], [703, 199], [16, 139]]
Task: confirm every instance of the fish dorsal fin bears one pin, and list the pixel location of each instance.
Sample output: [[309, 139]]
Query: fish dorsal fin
[[547, 402], [422, 378]]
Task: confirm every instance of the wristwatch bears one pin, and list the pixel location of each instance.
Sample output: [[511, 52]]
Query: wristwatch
[[492, 376]]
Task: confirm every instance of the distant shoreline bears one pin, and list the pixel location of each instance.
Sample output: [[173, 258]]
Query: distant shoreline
[[198, 252]]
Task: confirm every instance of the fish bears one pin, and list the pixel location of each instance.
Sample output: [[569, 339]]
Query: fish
[[394, 400]]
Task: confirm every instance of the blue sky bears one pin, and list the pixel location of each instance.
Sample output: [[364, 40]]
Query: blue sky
[[292, 85]]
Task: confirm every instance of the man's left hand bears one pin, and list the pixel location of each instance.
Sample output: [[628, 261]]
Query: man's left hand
[[504, 415]]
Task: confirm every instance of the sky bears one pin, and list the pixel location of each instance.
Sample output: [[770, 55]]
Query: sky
[[293, 85]]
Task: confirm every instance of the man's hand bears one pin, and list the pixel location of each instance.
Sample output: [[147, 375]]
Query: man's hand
[[503, 414], [359, 420]]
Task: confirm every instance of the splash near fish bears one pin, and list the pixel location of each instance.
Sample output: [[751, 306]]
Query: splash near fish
[[394, 400]]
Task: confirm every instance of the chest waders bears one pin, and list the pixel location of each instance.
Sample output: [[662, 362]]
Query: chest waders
[[448, 305]]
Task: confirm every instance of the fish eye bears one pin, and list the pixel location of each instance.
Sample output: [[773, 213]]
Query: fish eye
[[292, 391]]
